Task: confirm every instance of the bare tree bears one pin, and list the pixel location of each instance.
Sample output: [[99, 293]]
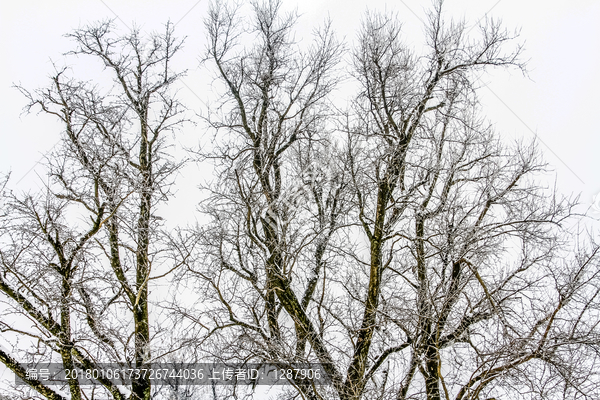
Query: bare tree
[[279, 198], [459, 232], [84, 286]]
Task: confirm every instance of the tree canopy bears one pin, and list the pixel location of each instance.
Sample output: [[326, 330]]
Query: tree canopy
[[396, 242]]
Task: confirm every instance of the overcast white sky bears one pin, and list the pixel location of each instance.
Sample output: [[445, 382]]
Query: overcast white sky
[[559, 101]]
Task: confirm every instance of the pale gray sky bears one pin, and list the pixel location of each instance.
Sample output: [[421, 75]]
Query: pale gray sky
[[559, 100]]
